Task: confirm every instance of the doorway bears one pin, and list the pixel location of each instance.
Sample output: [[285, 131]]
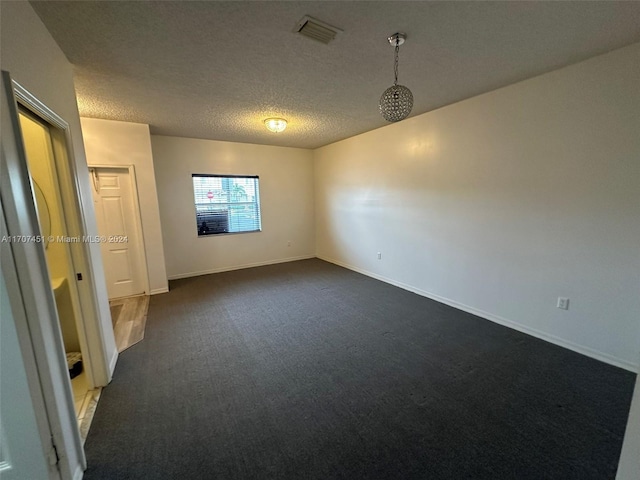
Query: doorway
[[115, 202], [42, 166]]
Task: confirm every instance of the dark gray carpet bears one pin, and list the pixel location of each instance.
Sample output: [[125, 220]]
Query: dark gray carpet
[[306, 370]]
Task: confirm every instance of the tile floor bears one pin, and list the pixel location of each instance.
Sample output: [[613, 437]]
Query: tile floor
[[129, 317], [85, 402]]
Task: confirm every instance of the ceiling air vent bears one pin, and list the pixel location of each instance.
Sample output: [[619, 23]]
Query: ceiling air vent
[[320, 31]]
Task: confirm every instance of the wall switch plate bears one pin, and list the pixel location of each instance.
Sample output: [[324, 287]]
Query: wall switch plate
[[379, 256], [563, 303]]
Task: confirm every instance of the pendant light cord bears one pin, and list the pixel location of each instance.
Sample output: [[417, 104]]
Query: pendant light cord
[[395, 66]]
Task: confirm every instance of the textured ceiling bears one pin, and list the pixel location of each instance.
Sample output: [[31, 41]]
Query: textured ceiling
[[216, 69]]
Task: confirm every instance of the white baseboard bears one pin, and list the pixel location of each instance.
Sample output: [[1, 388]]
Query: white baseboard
[[156, 291], [588, 351], [239, 267], [78, 473]]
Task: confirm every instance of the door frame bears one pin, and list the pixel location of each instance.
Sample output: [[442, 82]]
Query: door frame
[[60, 181], [41, 328], [90, 334], [142, 251]]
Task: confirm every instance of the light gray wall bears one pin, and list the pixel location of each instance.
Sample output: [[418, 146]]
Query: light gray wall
[[501, 203], [286, 201]]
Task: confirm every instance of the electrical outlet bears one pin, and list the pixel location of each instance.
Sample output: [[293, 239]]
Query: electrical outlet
[[563, 303], [379, 256], [289, 243]]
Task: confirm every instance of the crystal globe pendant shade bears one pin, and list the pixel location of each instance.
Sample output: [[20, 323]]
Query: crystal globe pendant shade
[[396, 101]]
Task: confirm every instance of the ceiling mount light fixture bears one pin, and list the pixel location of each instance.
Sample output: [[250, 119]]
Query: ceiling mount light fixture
[[276, 125], [396, 101]]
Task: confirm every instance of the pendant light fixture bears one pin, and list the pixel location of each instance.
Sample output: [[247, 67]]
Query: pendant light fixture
[[397, 101]]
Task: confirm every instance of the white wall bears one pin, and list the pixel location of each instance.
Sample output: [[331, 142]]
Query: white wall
[[501, 203], [286, 201], [121, 144], [22, 453]]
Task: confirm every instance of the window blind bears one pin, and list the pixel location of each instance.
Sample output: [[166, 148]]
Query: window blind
[[226, 204]]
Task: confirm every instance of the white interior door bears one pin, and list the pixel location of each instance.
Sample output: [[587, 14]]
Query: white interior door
[[118, 225]]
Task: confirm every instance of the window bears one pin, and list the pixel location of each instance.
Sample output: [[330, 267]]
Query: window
[[226, 204]]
